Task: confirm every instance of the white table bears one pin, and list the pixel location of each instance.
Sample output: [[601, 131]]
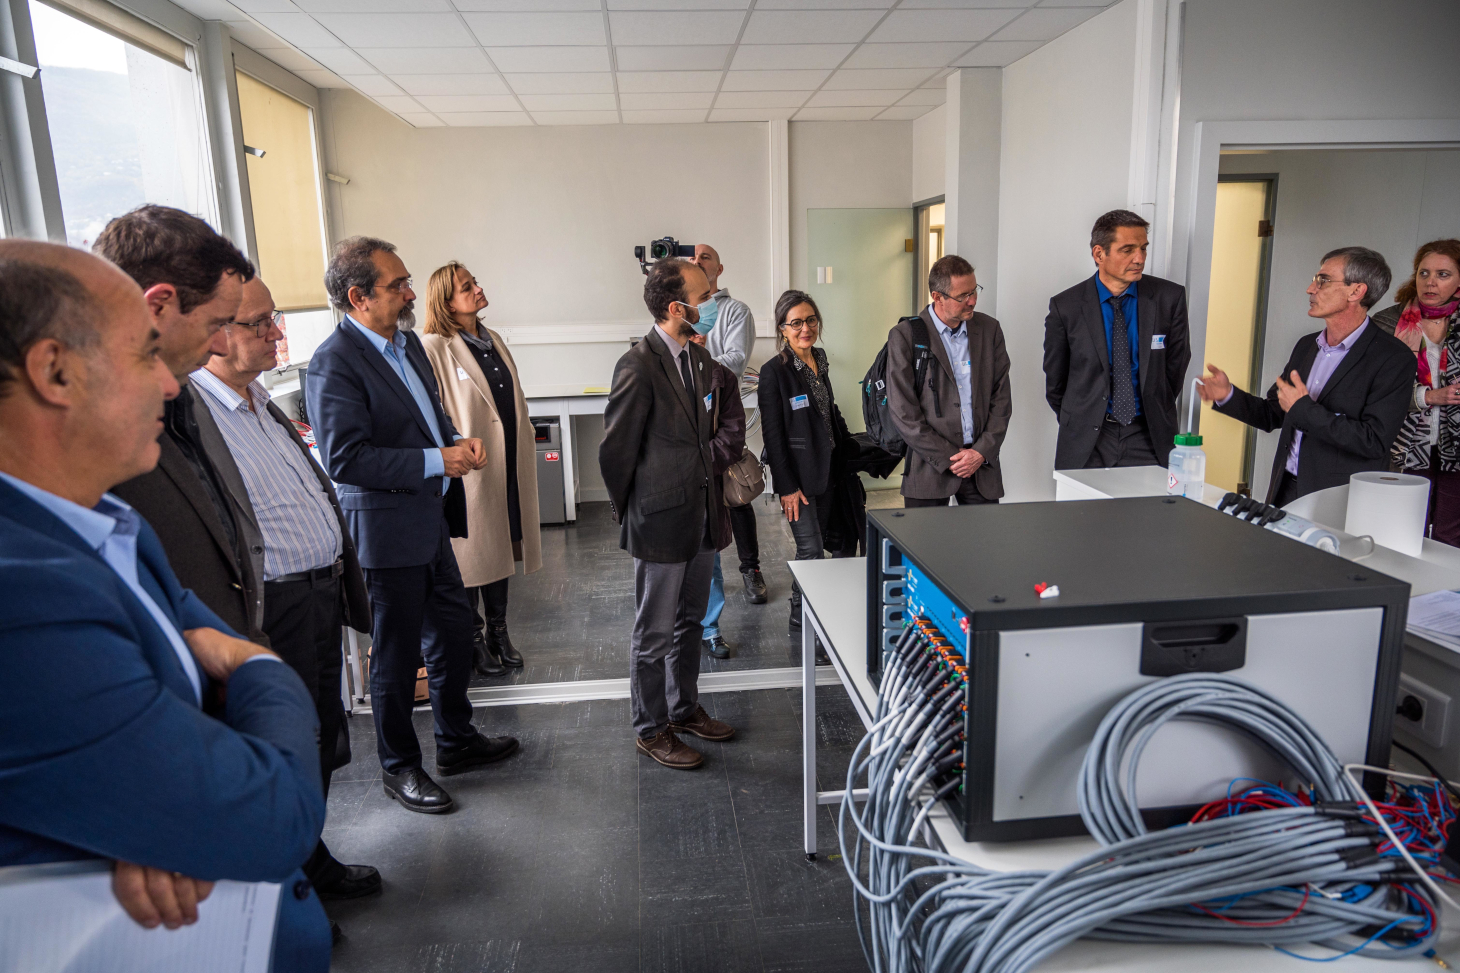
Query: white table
[[834, 607], [564, 402]]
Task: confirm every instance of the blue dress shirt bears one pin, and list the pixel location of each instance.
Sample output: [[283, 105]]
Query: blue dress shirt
[[394, 352], [1133, 333], [955, 342]]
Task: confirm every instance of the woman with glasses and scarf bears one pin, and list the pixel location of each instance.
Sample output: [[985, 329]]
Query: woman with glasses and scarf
[[481, 393], [806, 439], [1427, 319]]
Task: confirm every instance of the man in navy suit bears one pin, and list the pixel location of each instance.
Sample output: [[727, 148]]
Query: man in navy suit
[[377, 417], [105, 751]]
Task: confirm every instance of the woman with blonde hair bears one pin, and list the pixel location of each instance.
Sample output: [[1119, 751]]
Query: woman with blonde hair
[[481, 393]]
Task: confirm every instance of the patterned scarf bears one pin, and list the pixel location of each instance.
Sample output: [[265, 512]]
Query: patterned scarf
[[1411, 450], [1407, 328], [817, 382]]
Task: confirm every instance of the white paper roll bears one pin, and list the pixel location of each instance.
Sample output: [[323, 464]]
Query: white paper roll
[[1389, 507]]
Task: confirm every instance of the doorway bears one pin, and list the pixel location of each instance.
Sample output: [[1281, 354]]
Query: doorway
[[929, 217], [1237, 317]]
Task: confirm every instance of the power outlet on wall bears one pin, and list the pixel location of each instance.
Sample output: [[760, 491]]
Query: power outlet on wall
[[1422, 711]]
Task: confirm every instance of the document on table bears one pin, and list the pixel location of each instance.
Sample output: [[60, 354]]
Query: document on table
[[1436, 616], [63, 918]]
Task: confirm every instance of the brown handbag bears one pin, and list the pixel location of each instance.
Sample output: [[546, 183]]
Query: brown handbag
[[744, 480]]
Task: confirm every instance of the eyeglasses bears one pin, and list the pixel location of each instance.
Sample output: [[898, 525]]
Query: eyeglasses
[[977, 290], [802, 324], [1322, 280], [263, 326], [400, 286]]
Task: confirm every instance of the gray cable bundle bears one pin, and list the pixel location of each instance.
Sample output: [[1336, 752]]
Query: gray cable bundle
[[1272, 877]]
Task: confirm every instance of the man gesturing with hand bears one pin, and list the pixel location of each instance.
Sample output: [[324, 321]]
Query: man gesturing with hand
[[396, 457]]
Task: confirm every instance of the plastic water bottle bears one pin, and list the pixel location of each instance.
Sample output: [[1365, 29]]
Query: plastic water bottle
[[1187, 469]]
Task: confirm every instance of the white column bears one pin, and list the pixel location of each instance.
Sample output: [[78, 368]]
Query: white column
[[30, 200], [780, 197], [973, 119]]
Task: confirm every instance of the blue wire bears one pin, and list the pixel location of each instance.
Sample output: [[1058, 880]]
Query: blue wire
[[1359, 947]]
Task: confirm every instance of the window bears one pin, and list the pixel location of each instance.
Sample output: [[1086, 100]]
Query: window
[[126, 119]]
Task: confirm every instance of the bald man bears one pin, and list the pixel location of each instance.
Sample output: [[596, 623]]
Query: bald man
[[104, 656]]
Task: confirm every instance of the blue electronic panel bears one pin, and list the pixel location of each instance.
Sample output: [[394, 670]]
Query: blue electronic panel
[[926, 598]]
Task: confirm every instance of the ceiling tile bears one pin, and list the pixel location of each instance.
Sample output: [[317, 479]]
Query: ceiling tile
[[675, 27], [530, 6], [537, 59], [254, 36], [469, 119], [457, 103], [774, 80], [931, 54], [939, 79], [266, 6], [537, 103], [575, 117], [420, 119], [525, 29], [969, 4], [761, 99], [398, 103], [288, 57], [425, 60], [665, 116], [402, 30], [301, 30], [1075, 3], [451, 84], [904, 112], [566, 83], [884, 78], [373, 6], [666, 99], [836, 114], [951, 25], [214, 10], [668, 80], [809, 26], [1045, 24], [823, 4], [750, 114], [751, 57], [682, 58], [680, 4], [850, 99], [373, 85], [925, 96], [340, 60], [322, 79], [996, 54]]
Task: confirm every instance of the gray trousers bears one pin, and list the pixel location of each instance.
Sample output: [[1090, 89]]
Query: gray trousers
[[664, 651]]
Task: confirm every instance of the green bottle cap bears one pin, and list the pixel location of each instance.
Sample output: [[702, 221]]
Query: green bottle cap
[[1187, 439]]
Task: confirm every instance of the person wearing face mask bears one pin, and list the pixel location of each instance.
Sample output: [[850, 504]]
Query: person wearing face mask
[[1427, 319], [657, 460], [397, 459], [480, 391]]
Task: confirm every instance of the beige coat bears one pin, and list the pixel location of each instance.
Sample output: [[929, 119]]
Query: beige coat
[[486, 553]]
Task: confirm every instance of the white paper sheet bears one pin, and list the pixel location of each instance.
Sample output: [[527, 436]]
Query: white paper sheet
[[1436, 616], [64, 919]]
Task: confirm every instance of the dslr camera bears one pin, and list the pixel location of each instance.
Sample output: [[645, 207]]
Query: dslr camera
[[661, 249]]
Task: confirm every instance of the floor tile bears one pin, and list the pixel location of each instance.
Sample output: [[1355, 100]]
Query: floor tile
[[689, 890]]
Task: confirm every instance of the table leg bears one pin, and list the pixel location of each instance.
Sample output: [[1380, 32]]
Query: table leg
[[356, 667], [808, 729]]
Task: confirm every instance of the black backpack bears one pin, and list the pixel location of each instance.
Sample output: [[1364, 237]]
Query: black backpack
[[874, 390]]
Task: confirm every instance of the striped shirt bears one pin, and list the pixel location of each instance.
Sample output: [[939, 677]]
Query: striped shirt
[[298, 523]]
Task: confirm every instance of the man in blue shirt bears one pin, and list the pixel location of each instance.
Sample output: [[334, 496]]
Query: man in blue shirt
[[1115, 352]]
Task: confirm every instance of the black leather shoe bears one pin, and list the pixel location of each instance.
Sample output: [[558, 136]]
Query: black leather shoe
[[482, 750], [754, 586], [483, 662], [416, 791], [501, 646], [358, 881], [336, 933], [717, 647]]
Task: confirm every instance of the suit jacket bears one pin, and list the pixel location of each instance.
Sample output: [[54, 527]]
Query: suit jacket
[[656, 457], [1077, 365], [801, 454], [171, 499], [370, 434], [932, 440], [487, 555], [104, 751], [1351, 425]]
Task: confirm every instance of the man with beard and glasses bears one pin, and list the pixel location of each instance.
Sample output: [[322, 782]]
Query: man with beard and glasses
[[398, 460]]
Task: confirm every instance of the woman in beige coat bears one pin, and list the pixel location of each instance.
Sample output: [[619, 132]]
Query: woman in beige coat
[[481, 393]]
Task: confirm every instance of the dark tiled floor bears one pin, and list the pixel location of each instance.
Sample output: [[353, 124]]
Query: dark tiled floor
[[578, 855]]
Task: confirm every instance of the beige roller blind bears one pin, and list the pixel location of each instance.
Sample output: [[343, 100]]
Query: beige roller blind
[[125, 26], [284, 184]]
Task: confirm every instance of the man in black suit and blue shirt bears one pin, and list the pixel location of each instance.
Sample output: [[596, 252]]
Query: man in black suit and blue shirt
[[398, 460], [1115, 350]]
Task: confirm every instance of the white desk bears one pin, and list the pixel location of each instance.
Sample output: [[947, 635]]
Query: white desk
[[834, 606], [566, 401]]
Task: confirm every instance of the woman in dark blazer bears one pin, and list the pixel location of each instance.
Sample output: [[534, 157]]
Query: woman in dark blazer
[[806, 439]]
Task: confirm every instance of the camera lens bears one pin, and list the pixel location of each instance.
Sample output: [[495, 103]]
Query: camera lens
[[659, 249]]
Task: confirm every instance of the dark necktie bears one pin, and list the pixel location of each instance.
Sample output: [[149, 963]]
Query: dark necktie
[[684, 372], [1122, 396]]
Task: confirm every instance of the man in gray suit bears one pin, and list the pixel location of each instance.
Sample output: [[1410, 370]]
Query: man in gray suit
[[657, 464], [954, 422]]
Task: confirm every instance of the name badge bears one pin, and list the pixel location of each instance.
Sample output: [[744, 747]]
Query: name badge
[[461, 373], [1158, 341], [708, 400], [799, 402]]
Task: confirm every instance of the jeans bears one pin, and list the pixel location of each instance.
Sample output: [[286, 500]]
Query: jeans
[[809, 547], [747, 544], [717, 601]]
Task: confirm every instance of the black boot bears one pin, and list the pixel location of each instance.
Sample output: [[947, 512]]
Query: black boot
[[500, 644], [484, 661]]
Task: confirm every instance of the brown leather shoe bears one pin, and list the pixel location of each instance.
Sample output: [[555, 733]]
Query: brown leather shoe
[[703, 727], [669, 750]]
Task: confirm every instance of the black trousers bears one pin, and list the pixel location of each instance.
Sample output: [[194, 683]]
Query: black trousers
[[747, 542], [489, 600], [967, 493], [1287, 490], [303, 620], [1119, 445], [419, 612]]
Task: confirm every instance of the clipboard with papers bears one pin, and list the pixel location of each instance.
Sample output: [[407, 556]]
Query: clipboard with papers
[[1436, 617], [63, 918]]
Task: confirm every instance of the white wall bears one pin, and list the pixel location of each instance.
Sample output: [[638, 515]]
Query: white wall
[[930, 154], [1390, 201], [1065, 160]]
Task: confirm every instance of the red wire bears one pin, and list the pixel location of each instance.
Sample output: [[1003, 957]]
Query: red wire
[[1307, 890]]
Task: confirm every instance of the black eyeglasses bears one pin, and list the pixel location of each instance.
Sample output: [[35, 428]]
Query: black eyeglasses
[[262, 326]]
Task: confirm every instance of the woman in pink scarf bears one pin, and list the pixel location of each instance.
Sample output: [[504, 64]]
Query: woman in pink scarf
[[1427, 318]]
